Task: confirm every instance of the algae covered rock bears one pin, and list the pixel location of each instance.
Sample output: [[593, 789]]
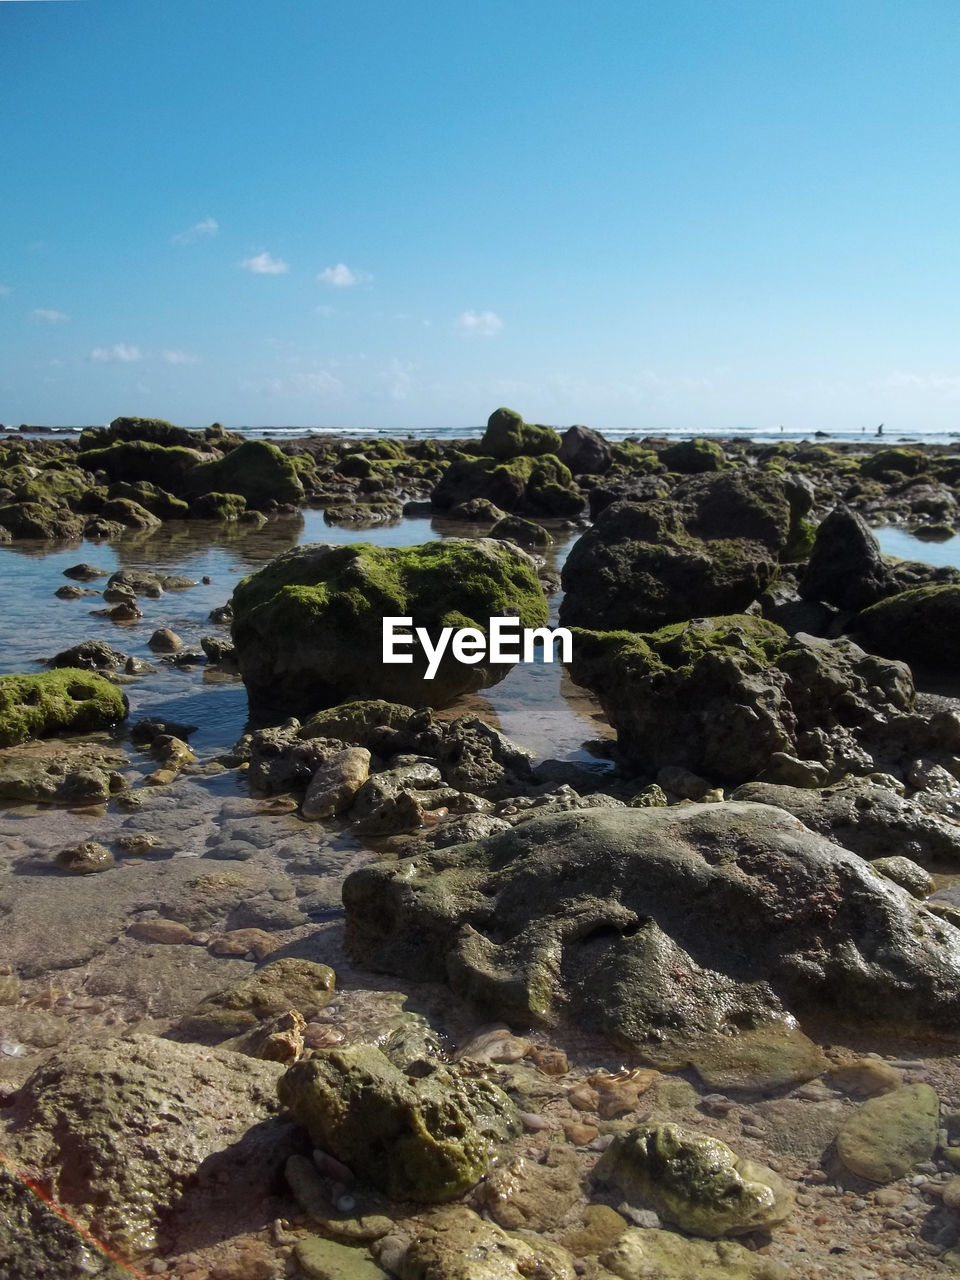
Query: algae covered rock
[[724, 696], [711, 548], [308, 627], [695, 1181], [693, 457], [277, 988], [922, 625], [54, 772], [426, 1138], [508, 436], [888, 1135], [117, 1128], [644, 1253], [259, 472], [532, 486], [660, 927], [457, 1244], [66, 700]]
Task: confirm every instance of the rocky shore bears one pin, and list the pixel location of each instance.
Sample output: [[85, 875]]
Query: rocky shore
[[376, 991]]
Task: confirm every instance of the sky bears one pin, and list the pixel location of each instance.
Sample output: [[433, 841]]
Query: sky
[[640, 214]]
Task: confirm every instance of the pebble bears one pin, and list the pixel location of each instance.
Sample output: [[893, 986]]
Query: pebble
[[534, 1123], [580, 1134], [951, 1193], [639, 1217]]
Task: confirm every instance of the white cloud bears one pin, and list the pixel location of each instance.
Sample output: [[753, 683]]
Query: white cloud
[[342, 277], [482, 324], [206, 229], [120, 353], [265, 264], [46, 315], [180, 357]]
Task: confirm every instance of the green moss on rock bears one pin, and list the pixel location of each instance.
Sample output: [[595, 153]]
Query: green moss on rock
[[922, 625], [691, 457], [508, 436], [261, 472], [67, 700], [133, 460], [218, 506]]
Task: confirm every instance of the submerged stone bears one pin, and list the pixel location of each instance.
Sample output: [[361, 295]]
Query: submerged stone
[[643, 1253], [66, 700], [889, 1134]]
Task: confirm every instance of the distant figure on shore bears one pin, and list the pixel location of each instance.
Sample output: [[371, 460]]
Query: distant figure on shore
[[880, 429], [781, 428]]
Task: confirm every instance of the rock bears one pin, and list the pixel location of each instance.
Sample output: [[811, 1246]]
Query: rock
[[660, 927], [888, 1135], [710, 549], [90, 655], [40, 520], [585, 451], [508, 436], [259, 472], [321, 1259], [218, 506], [691, 457], [309, 626], [922, 625], [218, 650], [165, 641], [130, 514], [868, 818], [695, 1181], [846, 568], [474, 757], [532, 1195], [72, 592], [477, 511], [764, 693], [54, 772], [277, 988], [426, 1139], [280, 1039], [332, 788], [865, 1077], [166, 932], [456, 1244], [906, 873], [86, 858], [539, 487], [85, 572], [372, 723], [642, 1253], [67, 700], [117, 1128], [388, 784]]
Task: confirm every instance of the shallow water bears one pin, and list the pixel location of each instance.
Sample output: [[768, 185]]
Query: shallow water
[[536, 705]]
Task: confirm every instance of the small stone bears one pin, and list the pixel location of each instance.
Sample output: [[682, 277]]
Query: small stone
[[136, 844], [601, 1226], [496, 1044], [552, 1062], [85, 859], [168, 932], [888, 1135], [951, 1193], [242, 942], [580, 1134], [866, 1078], [321, 1259], [619, 1095], [164, 640]]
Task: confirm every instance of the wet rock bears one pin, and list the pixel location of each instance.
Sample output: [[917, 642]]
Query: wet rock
[[394, 816], [643, 1252], [90, 655], [165, 641], [145, 732], [67, 700], [309, 629], [906, 873], [765, 693], [321, 1259], [475, 758], [312, 1190], [280, 986], [508, 436], [166, 932], [695, 1181], [54, 772], [659, 926], [74, 592], [85, 859], [85, 572], [890, 1134], [217, 650], [387, 785], [585, 451], [525, 533], [846, 568], [426, 1139], [456, 1244], [279, 1039], [81, 1124], [865, 1077], [281, 760], [531, 1195]]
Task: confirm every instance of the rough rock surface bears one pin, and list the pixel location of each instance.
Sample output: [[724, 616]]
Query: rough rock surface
[[67, 700], [656, 925], [888, 1135], [457, 1244], [644, 1253], [117, 1128], [426, 1138], [922, 625]]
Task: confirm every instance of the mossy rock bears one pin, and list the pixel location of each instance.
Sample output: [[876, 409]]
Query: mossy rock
[[129, 513], [41, 520], [156, 500], [540, 486], [655, 1254], [525, 533], [261, 472], [691, 457], [887, 1136], [922, 625], [66, 700], [278, 987], [427, 1139], [151, 430], [508, 436], [218, 506], [356, 722], [133, 460], [308, 627], [907, 462]]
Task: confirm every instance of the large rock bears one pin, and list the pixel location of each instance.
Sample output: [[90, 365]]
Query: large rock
[[726, 697], [281, 986], [846, 568], [53, 772], [427, 1137], [585, 451], [532, 486], [308, 627], [117, 1128], [457, 1244], [887, 1136], [257, 471], [659, 926], [508, 436], [872, 820], [66, 700], [711, 548], [922, 625], [695, 1181], [646, 1253]]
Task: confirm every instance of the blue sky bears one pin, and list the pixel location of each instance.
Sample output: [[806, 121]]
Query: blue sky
[[704, 214]]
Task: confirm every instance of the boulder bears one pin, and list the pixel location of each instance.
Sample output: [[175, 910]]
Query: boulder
[[846, 568], [713, 547], [40, 520], [508, 436], [117, 1128], [692, 457], [308, 627], [532, 486], [53, 772], [660, 927], [90, 655], [695, 1181], [723, 697], [457, 1244], [66, 700], [922, 625], [585, 451], [888, 1135], [259, 472], [653, 1254], [332, 788], [427, 1137]]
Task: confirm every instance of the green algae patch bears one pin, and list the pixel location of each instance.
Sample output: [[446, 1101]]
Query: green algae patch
[[426, 1139], [261, 472], [67, 700], [165, 465], [218, 506], [508, 436], [888, 1135], [922, 625], [693, 457], [308, 627]]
